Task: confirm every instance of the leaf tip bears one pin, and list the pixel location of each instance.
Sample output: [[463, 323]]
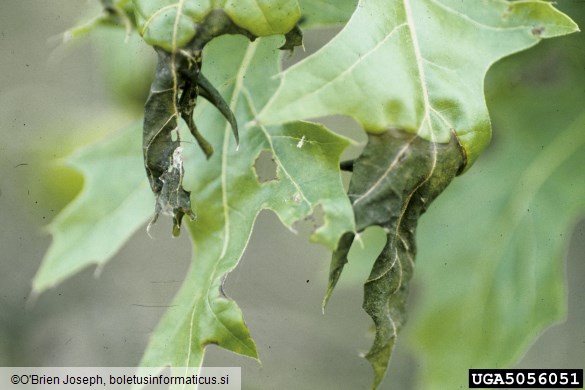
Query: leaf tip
[[338, 261], [326, 300]]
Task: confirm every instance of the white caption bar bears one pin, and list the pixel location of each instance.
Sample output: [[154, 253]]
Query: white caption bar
[[117, 378]]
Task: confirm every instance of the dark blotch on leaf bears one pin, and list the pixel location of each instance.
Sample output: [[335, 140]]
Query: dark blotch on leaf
[[161, 145], [293, 39], [394, 181], [537, 31]]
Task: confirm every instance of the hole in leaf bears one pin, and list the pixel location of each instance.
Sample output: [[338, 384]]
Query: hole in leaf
[[312, 222], [313, 40], [265, 167]]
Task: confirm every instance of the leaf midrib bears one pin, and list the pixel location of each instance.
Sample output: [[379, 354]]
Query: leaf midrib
[[426, 101], [238, 86]]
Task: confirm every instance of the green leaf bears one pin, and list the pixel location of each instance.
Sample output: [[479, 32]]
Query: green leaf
[[227, 195], [114, 203], [323, 13], [492, 249], [415, 65], [171, 24]]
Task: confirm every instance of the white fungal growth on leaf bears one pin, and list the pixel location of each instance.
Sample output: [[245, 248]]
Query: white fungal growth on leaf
[[178, 158]]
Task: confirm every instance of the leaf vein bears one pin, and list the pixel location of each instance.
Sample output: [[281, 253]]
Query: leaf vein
[[155, 14], [346, 71]]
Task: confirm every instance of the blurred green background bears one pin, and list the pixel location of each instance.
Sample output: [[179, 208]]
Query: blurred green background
[[54, 98]]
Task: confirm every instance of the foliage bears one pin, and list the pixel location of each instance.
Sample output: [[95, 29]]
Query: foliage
[[519, 205], [114, 203], [412, 77]]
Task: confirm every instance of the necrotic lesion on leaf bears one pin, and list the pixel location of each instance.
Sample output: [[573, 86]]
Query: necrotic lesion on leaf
[[394, 181], [161, 141]]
